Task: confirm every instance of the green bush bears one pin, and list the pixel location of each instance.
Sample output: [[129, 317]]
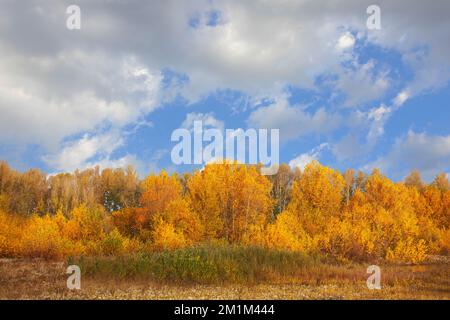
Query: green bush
[[202, 264]]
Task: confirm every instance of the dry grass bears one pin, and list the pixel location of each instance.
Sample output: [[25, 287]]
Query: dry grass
[[38, 279]]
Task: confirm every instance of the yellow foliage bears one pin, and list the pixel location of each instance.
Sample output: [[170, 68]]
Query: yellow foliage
[[446, 241], [175, 225], [114, 244], [409, 250], [42, 238], [230, 199], [130, 221], [356, 218], [87, 224], [166, 237], [159, 190], [162, 201], [11, 229], [379, 222], [179, 214], [287, 233], [316, 197]]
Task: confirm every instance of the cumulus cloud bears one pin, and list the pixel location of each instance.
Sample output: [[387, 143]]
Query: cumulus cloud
[[293, 121], [92, 150], [289, 42], [378, 116], [78, 153], [362, 83], [98, 90], [302, 160], [207, 119], [428, 153], [56, 83], [346, 41], [371, 121]]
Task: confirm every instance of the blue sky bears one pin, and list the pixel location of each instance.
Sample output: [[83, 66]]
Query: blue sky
[[111, 93]]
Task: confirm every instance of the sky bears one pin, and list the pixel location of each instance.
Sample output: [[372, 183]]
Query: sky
[[112, 92]]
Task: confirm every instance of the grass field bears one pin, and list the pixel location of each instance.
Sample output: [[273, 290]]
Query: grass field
[[200, 273]]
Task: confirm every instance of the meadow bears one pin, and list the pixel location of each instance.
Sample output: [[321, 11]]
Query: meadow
[[41, 279]]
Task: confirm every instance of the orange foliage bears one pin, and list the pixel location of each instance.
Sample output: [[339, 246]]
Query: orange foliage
[[316, 197], [165, 236], [87, 224], [230, 199], [386, 220], [163, 210], [287, 233], [318, 210], [10, 232]]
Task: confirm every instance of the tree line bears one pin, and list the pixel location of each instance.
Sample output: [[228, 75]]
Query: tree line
[[350, 215]]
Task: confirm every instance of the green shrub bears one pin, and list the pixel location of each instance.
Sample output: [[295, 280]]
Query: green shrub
[[202, 264]]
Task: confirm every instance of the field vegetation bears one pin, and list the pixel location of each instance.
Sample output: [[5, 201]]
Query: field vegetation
[[226, 223]]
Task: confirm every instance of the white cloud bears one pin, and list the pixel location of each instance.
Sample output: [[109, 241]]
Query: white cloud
[[79, 154], [90, 151], [292, 121], [374, 121], [289, 42], [377, 114], [208, 120], [99, 90], [362, 83], [377, 118], [427, 153], [109, 74], [302, 160], [346, 41], [401, 98], [129, 159]]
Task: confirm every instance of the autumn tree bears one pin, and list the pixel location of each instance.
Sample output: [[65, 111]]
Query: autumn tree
[[6, 176], [87, 223], [62, 193], [315, 206], [120, 188], [441, 182], [436, 205], [111, 212], [232, 200], [89, 186], [414, 180], [163, 214], [360, 180], [393, 220], [29, 191], [281, 188], [350, 179], [317, 196]]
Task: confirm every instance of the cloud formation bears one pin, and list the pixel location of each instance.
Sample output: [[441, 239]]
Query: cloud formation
[[303, 159], [131, 58], [427, 153]]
